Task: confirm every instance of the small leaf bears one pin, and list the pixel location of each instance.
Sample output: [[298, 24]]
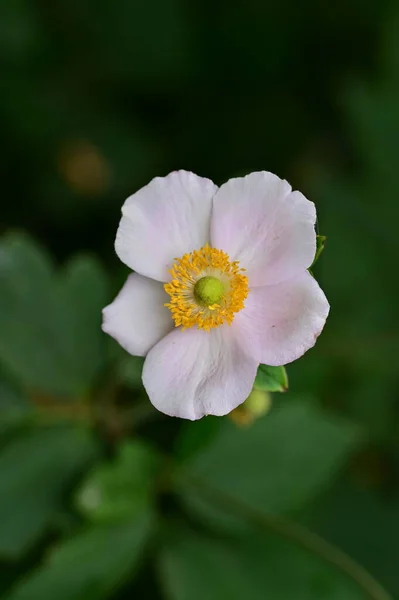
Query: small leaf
[[320, 243], [89, 566], [271, 379], [122, 488]]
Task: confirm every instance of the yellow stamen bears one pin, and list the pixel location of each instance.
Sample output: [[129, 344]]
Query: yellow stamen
[[208, 264]]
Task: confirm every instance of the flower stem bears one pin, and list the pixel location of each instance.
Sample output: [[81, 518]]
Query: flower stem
[[301, 536]]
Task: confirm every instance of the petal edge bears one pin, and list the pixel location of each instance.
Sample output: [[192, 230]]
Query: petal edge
[[259, 221], [281, 322], [163, 220], [137, 318], [193, 373]]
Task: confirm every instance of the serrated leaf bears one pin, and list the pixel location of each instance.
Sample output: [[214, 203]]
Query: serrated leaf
[[82, 290], [271, 379], [91, 565], [278, 464], [253, 567], [122, 488], [50, 337], [36, 471], [29, 341]]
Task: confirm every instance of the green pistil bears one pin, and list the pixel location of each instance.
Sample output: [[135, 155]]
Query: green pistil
[[208, 290]]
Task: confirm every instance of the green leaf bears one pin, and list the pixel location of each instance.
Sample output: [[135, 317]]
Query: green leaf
[[365, 524], [90, 566], [82, 295], [196, 566], [195, 435], [50, 337], [14, 407], [279, 464], [122, 488], [29, 344], [271, 379], [36, 471], [320, 243]]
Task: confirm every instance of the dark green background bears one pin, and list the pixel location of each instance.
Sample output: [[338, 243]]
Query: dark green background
[[100, 496]]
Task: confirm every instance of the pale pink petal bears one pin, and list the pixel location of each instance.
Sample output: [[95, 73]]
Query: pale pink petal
[[165, 219], [137, 318], [281, 322], [269, 229], [193, 373]]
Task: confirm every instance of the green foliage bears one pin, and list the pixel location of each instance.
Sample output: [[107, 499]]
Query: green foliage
[[90, 566], [271, 379], [14, 407], [50, 335], [196, 435], [96, 99], [258, 466], [123, 488], [20, 32], [82, 294], [195, 566], [37, 470], [28, 315], [341, 516], [130, 370]]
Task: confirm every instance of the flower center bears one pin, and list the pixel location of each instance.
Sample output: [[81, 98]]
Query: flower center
[[206, 289]]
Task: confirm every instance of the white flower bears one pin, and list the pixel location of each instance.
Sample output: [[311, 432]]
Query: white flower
[[220, 285]]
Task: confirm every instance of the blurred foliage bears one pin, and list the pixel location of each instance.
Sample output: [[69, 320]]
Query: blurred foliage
[[101, 497]]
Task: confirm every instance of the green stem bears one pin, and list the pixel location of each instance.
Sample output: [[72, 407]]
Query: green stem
[[301, 536]]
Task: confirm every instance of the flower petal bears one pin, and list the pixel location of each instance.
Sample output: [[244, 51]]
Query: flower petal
[[193, 373], [269, 229], [281, 322], [137, 318], [165, 219]]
